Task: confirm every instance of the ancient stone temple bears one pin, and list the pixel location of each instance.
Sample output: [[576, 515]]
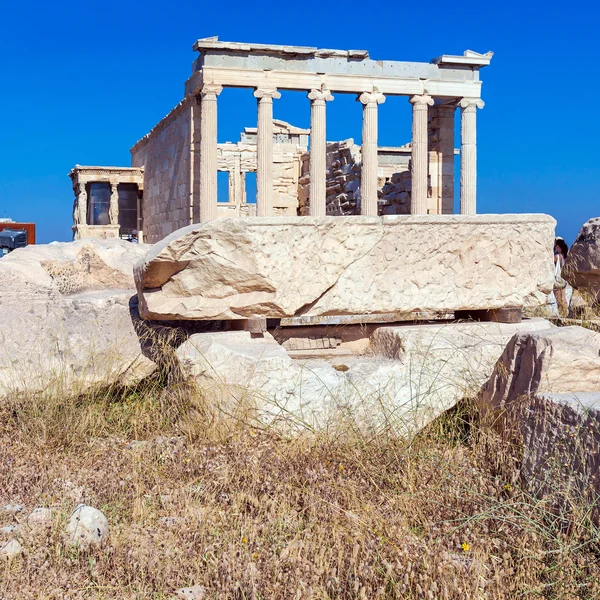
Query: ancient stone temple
[[107, 201], [297, 171]]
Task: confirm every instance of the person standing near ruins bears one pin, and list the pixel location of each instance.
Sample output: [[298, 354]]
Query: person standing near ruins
[[560, 285]]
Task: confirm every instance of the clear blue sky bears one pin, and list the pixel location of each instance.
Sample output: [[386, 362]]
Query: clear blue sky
[[81, 82]]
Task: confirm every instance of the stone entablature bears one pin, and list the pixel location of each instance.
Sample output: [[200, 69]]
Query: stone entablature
[[84, 213], [302, 67]]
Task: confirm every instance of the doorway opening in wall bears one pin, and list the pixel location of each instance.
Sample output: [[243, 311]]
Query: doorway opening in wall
[[251, 187], [222, 186], [128, 208], [98, 203]]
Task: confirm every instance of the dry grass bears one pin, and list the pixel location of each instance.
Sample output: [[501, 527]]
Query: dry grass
[[194, 498]]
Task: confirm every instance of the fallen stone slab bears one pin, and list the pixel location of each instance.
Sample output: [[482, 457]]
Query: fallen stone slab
[[437, 365], [242, 373], [309, 266], [66, 317]]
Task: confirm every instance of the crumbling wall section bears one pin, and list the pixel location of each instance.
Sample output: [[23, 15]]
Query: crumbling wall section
[[343, 165], [166, 155]]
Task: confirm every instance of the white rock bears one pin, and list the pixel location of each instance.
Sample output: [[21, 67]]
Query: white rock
[[284, 267], [238, 370], [66, 316], [87, 528], [413, 373], [10, 530], [40, 518], [13, 509], [10, 550], [196, 592]]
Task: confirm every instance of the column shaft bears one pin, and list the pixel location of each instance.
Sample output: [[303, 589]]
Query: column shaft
[[468, 155], [418, 205], [318, 152], [208, 153], [368, 172], [264, 152]]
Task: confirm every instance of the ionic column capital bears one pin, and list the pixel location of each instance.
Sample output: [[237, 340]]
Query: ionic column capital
[[320, 96], [211, 89], [422, 100], [471, 103], [369, 98], [268, 94]]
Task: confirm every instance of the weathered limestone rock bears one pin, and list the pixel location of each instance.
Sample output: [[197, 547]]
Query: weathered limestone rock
[[39, 519], [456, 359], [10, 550], [544, 397], [12, 509], [562, 360], [437, 366], [238, 371], [196, 592], [582, 267], [87, 528], [238, 269], [81, 266], [560, 441], [65, 316]]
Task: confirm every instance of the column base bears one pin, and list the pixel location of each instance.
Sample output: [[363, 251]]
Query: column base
[[98, 232]]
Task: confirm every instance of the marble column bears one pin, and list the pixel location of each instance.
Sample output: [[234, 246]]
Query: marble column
[[264, 151], [208, 152], [368, 172], [468, 155], [113, 208], [418, 174], [318, 151]]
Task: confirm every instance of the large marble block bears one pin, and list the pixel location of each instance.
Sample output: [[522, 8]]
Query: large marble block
[[317, 266]]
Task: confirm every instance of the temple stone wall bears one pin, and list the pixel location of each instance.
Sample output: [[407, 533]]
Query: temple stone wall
[[166, 155]]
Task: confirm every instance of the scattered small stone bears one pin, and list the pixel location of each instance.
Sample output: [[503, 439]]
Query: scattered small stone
[[39, 518], [137, 444], [11, 550], [196, 592], [170, 521], [72, 491], [10, 530], [87, 528], [13, 509], [342, 368]]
